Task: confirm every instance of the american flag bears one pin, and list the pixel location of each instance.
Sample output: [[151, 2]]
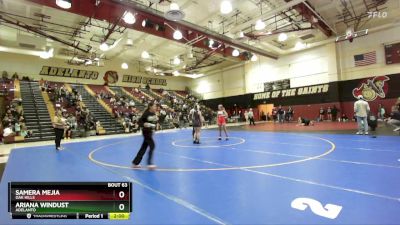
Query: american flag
[[365, 59]]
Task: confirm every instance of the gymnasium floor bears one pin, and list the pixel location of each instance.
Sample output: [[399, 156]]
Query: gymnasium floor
[[254, 178]]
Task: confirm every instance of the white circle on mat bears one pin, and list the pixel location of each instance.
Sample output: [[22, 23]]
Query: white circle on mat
[[176, 142]]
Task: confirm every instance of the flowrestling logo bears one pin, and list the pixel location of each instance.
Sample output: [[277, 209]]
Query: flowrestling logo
[[372, 89]]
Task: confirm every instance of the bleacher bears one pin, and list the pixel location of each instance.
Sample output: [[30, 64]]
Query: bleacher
[[36, 114], [108, 122], [139, 95], [37, 105]]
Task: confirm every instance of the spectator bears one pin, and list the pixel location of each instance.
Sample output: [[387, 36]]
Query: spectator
[[329, 113], [25, 132], [321, 114], [132, 103], [344, 118], [301, 121], [71, 125], [290, 113], [8, 131], [281, 114], [251, 117], [17, 128], [394, 119], [361, 110], [334, 113], [381, 112], [274, 114]]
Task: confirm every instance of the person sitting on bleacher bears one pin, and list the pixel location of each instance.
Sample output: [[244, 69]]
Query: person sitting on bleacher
[[8, 131], [71, 125], [25, 132]]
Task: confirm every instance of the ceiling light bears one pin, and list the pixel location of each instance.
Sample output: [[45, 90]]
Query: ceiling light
[[144, 23], [129, 42], [235, 53], [299, 45], [88, 62], [254, 58], [129, 18], [173, 6], [51, 52], [65, 4], [47, 54], [44, 55], [282, 37], [226, 7], [241, 34], [148, 68], [211, 43], [145, 55], [176, 73], [124, 66], [104, 47], [176, 61], [259, 25], [174, 13], [269, 32], [177, 35]]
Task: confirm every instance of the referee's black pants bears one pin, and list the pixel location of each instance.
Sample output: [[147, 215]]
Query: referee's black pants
[[147, 142]]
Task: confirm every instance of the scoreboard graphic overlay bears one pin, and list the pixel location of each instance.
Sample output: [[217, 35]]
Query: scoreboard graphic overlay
[[60, 200]]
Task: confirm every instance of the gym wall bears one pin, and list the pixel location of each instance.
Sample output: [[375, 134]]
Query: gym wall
[[343, 94], [319, 65], [31, 66]]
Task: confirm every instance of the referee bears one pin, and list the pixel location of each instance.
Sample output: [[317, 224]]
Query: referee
[[148, 123]]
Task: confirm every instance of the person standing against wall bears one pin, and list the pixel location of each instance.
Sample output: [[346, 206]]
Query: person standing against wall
[[321, 114], [246, 116], [251, 117], [334, 113], [59, 124], [361, 109], [290, 113], [329, 113], [281, 114]]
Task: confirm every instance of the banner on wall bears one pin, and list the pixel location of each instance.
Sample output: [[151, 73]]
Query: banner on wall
[[143, 80], [277, 85], [372, 88], [392, 53], [293, 92], [67, 72]]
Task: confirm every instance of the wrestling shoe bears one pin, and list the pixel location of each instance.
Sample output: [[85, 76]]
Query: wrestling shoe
[[151, 167], [219, 138]]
